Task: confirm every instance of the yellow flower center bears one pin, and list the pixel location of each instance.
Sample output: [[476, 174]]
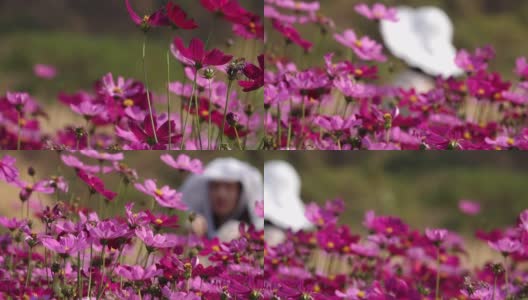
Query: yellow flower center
[[358, 44], [117, 90], [511, 141], [330, 245], [467, 135], [158, 193], [158, 221], [361, 294], [359, 72], [128, 102]]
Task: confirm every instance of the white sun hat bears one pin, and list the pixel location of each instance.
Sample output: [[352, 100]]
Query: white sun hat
[[196, 192], [423, 38], [283, 206]]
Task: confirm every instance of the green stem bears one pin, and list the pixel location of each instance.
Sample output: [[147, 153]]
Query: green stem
[[29, 267], [238, 139], [210, 106], [101, 286], [147, 89], [168, 100], [87, 134], [221, 134], [19, 130], [187, 115], [90, 271], [79, 285]]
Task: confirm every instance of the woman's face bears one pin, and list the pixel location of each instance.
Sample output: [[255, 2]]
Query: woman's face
[[224, 197]]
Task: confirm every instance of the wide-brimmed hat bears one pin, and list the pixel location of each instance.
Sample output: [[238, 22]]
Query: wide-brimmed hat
[[283, 206], [423, 38]]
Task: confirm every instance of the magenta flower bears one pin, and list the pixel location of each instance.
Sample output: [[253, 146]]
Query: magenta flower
[[183, 163], [254, 74], [45, 71], [17, 99], [196, 55], [152, 240], [108, 230], [377, 12], [469, 207], [96, 185], [67, 245], [12, 224], [436, 235], [291, 34], [178, 17], [74, 162], [522, 68], [120, 89], [137, 273], [8, 171], [88, 109], [103, 156], [165, 196], [143, 133], [157, 19], [506, 246], [364, 47]]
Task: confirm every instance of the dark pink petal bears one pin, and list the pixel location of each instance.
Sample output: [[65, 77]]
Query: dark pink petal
[[216, 58], [197, 50], [135, 18]]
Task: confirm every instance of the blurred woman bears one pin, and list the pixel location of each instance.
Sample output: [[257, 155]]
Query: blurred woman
[[222, 197], [283, 207]]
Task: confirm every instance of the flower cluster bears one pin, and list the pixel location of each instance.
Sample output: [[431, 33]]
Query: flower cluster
[[63, 249], [122, 113], [393, 261], [343, 104]]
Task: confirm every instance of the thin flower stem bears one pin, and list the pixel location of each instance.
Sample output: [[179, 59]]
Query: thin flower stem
[[187, 115], [221, 134], [169, 100], [238, 139], [147, 89], [29, 266], [90, 271], [87, 134], [494, 287], [210, 108], [19, 130], [101, 287], [79, 289]]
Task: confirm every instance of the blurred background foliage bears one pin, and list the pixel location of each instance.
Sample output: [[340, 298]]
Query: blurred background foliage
[[86, 39], [422, 188], [501, 24]]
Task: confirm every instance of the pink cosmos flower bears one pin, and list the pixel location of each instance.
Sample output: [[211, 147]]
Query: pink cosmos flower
[[103, 156], [17, 99], [196, 55], [74, 162], [506, 246], [521, 68], [45, 71], [96, 185], [377, 12], [88, 109], [155, 240], [157, 19], [469, 207], [178, 17], [8, 170], [291, 34], [137, 273], [183, 163], [68, 244], [364, 47], [312, 6], [165, 196], [436, 235]]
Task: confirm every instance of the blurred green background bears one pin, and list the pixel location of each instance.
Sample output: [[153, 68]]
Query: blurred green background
[[423, 188], [85, 39], [477, 23]]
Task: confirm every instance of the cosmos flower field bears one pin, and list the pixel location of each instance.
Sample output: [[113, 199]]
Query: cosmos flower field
[[95, 221], [213, 108], [344, 103]]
